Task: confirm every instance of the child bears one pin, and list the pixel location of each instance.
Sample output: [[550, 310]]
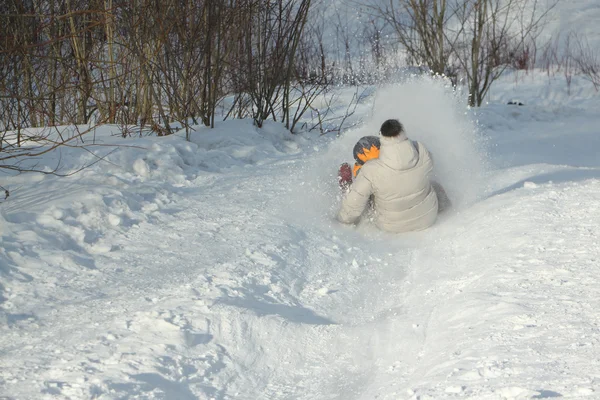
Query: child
[[367, 148]]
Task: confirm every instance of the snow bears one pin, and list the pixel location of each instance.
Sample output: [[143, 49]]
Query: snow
[[214, 269]]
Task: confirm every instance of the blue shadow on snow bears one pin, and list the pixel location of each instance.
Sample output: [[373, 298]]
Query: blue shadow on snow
[[571, 175]]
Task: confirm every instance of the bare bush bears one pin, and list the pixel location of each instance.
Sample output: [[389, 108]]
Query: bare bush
[[155, 65], [550, 58], [267, 45], [493, 28], [327, 121], [587, 60], [474, 39], [423, 29], [142, 62], [571, 55], [38, 142]]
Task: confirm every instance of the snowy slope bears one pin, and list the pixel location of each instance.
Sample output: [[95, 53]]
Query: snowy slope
[[215, 270]]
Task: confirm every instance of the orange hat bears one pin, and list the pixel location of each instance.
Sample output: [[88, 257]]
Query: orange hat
[[367, 148]]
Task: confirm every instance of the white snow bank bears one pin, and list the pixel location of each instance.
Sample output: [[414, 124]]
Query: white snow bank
[[520, 135], [509, 312], [551, 92], [55, 227]]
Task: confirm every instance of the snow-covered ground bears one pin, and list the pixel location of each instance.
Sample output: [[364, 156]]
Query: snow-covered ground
[[214, 269]]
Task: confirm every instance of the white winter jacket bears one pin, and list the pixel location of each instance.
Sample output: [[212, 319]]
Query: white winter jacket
[[399, 182]]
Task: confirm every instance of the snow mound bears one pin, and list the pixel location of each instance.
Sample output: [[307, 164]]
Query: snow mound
[[54, 227]]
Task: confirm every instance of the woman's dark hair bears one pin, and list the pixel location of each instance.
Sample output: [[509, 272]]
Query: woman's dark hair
[[391, 127]]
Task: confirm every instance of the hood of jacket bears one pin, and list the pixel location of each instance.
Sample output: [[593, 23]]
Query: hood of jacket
[[398, 152]]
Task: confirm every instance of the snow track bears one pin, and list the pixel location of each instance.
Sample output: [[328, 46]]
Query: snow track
[[215, 270], [214, 302]]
